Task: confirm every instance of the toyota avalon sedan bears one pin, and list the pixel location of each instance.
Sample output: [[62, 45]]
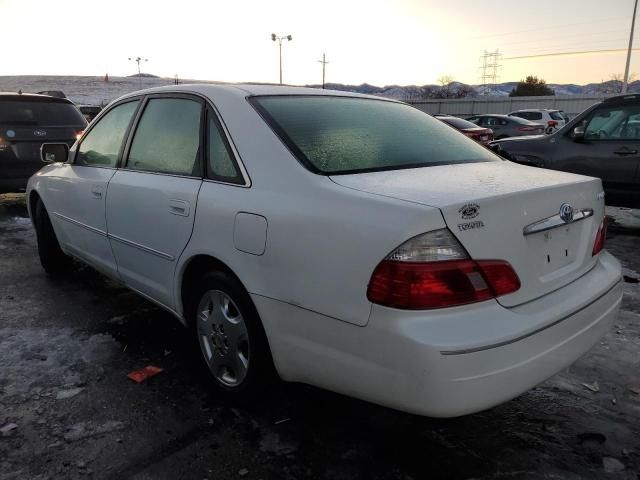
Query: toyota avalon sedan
[[345, 241]]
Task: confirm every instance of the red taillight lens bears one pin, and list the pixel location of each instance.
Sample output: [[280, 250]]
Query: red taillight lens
[[418, 286], [552, 123], [79, 134], [601, 237]]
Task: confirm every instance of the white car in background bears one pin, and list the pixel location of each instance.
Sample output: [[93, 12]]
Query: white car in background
[[345, 241], [552, 119]]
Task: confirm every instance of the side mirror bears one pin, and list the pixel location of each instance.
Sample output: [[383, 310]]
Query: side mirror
[[54, 152], [578, 133]]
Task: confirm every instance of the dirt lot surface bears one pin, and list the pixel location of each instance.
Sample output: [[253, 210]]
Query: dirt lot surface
[[68, 410]]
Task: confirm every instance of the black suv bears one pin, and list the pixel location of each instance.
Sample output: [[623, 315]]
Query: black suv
[[26, 122], [603, 141]]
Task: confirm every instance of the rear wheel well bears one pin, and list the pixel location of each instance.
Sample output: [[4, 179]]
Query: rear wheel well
[[197, 267]]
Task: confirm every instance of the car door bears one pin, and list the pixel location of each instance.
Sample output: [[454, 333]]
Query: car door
[[609, 150], [495, 124], [78, 196], [151, 201]]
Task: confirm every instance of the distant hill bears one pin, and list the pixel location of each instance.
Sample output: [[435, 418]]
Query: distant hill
[[95, 91]]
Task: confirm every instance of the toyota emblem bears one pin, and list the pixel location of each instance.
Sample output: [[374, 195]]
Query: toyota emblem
[[566, 213]]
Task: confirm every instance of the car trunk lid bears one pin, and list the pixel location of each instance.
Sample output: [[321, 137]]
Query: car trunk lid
[[489, 205]]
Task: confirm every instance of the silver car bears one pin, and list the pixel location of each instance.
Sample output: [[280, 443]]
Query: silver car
[[504, 126]]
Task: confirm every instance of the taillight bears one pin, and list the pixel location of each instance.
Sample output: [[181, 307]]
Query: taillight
[[79, 134], [552, 123], [434, 271], [601, 237]]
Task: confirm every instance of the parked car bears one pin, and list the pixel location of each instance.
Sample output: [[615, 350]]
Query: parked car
[[89, 111], [504, 126], [553, 119], [471, 130], [53, 93], [26, 122], [603, 142], [342, 240]]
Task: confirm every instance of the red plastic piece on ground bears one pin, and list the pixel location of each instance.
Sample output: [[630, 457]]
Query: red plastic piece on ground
[[141, 375]]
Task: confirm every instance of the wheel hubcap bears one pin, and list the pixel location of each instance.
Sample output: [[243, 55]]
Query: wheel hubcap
[[223, 338]]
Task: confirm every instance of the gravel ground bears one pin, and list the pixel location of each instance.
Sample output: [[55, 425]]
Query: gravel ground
[[68, 410]]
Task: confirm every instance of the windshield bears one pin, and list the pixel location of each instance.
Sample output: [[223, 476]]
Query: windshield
[[50, 114], [334, 135]]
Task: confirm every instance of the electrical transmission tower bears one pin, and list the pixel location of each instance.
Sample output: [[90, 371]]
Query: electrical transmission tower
[[489, 65]]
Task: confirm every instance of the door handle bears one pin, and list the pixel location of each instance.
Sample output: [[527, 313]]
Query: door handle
[[625, 151], [97, 190], [179, 207]]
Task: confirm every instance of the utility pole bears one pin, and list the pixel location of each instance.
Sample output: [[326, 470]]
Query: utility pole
[[625, 83], [324, 63], [138, 60], [275, 37]]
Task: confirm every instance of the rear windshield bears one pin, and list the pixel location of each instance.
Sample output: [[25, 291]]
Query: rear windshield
[[339, 135], [458, 123], [50, 114], [556, 115]]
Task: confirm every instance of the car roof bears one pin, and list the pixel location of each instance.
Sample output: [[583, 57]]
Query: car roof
[[32, 97], [536, 110], [242, 89], [500, 115], [633, 97]]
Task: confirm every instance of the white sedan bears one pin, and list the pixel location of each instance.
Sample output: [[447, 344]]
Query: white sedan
[[341, 240]]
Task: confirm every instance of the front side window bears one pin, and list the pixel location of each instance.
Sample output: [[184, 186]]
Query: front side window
[[101, 146], [338, 135], [619, 122], [221, 165], [167, 138]]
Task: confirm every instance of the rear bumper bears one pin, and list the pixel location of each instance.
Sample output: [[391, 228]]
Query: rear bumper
[[446, 363]]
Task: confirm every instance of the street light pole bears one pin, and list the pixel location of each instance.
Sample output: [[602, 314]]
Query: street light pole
[[138, 60], [625, 84], [275, 37]]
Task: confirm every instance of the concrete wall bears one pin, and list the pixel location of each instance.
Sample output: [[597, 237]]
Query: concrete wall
[[465, 107]]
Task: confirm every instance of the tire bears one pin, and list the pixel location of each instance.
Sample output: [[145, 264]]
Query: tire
[[230, 336], [52, 258]]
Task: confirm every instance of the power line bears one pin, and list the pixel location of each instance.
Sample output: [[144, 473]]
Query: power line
[[549, 27], [561, 54]]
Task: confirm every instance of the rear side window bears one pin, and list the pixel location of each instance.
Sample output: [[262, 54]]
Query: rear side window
[[101, 146], [534, 116], [40, 113], [167, 138], [339, 135], [221, 165]]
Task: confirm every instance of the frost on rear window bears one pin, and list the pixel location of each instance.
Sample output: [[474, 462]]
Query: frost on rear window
[[347, 135]]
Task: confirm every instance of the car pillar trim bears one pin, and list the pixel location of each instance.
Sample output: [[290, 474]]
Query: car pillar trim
[[150, 250], [80, 224], [530, 334], [556, 221]]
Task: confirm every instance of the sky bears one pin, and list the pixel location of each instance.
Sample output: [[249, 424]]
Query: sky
[[380, 42]]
